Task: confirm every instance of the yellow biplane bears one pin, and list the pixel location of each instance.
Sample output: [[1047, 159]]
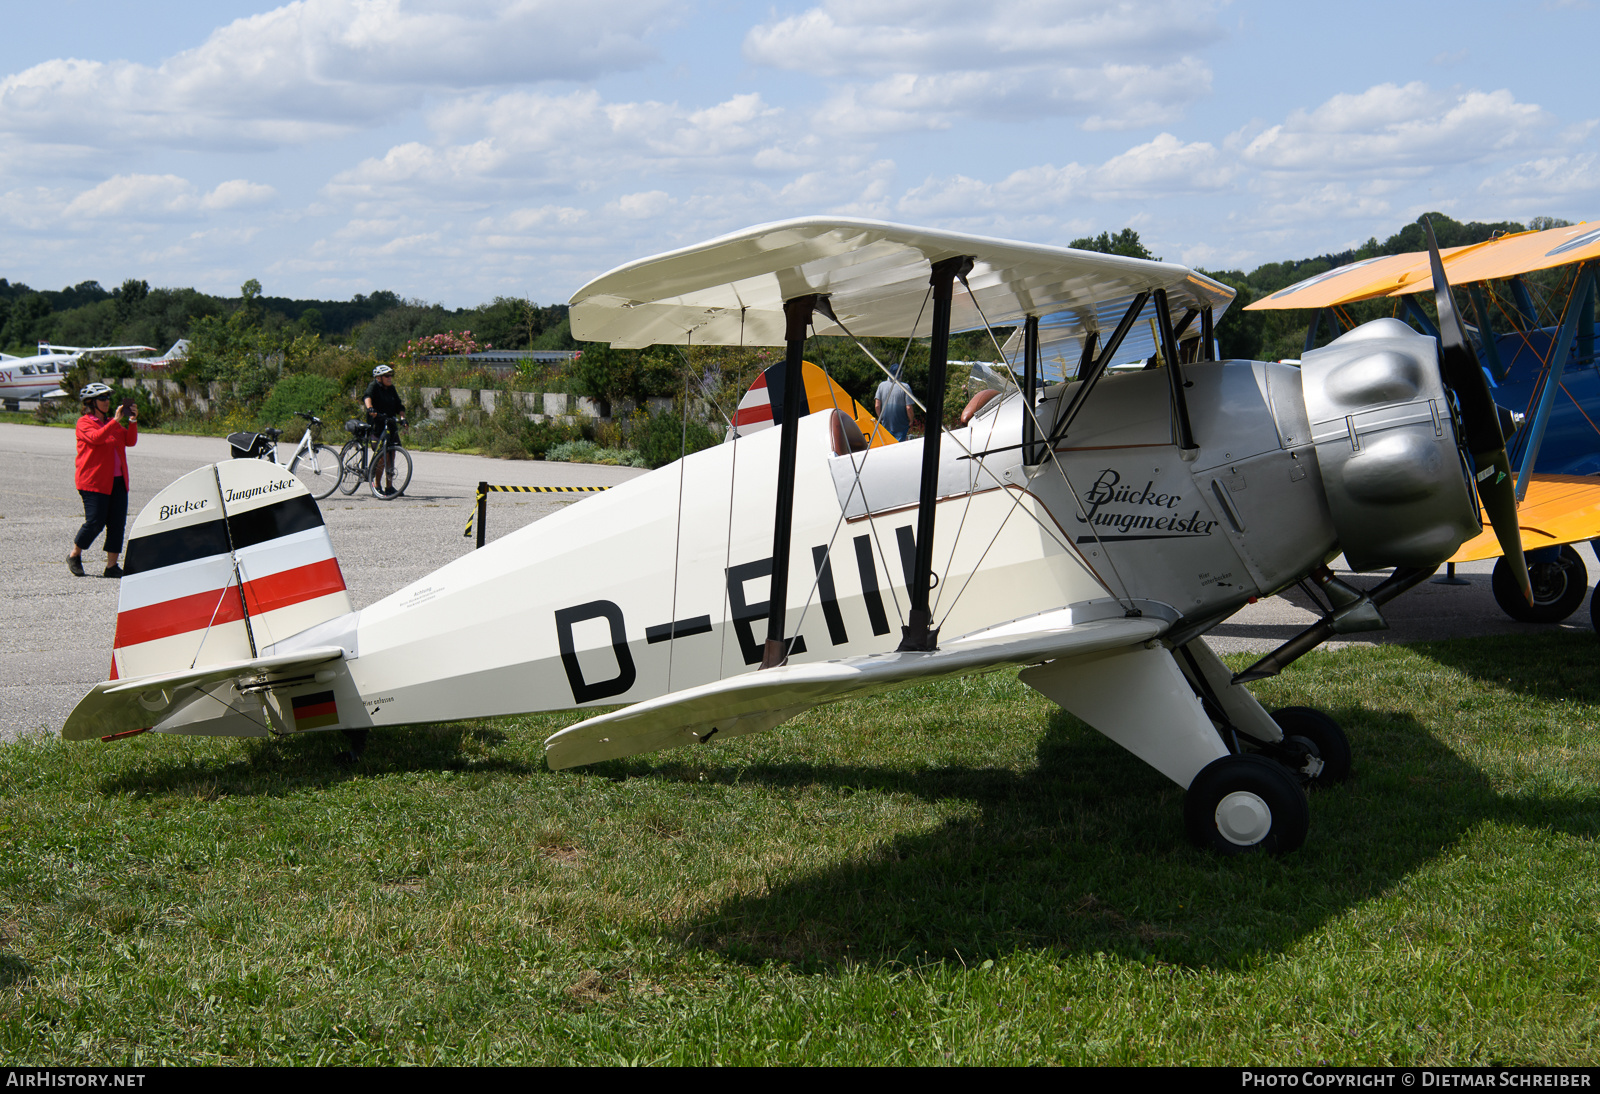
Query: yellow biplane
[[1537, 343]]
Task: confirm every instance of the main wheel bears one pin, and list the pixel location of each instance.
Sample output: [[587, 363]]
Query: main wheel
[[318, 469], [1594, 608], [1246, 803], [401, 474], [350, 467], [1558, 588], [1322, 737]]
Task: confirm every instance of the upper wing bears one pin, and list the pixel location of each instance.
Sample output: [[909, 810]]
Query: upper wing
[[762, 699], [731, 291], [1398, 275], [116, 706], [1361, 280]]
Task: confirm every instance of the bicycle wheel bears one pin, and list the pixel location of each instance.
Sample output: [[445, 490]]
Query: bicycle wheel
[[401, 474], [318, 469], [350, 472]]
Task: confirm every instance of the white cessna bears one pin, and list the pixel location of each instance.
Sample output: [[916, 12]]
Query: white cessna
[[1089, 532], [41, 376]]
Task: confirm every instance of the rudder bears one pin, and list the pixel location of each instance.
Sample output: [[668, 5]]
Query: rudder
[[223, 563]]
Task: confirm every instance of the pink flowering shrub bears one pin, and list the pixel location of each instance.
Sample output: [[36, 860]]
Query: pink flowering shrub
[[448, 344]]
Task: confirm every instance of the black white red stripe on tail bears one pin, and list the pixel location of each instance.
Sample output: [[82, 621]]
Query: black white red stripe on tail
[[222, 564]]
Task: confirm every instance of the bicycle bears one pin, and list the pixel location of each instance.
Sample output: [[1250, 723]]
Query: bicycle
[[313, 464], [362, 457]]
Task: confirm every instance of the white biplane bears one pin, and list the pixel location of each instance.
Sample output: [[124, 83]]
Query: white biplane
[[1087, 532], [41, 376]]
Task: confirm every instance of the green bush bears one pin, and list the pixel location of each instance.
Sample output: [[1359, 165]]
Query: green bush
[[309, 393], [539, 437], [618, 376], [589, 452], [660, 439]]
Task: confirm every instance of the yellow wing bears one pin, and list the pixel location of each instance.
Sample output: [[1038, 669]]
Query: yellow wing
[[1558, 509]]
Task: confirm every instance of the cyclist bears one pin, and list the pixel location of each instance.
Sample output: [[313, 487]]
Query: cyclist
[[385, 411]]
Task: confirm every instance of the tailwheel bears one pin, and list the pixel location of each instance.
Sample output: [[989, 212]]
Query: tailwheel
[[1246, 803], [1319, 752], [1558, 586]]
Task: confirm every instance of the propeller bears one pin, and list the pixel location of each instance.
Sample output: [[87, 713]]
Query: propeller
[[1480, 422]]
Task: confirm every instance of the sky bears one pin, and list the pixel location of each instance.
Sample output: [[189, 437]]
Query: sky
[[456, 151]]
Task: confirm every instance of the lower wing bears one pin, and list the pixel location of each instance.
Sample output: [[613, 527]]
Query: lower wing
[[765, 698]]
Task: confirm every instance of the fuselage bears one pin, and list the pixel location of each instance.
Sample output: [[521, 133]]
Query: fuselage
[[663, 583], [31, 377]]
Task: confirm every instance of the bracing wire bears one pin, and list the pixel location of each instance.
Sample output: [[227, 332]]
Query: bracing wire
[[677, 533]]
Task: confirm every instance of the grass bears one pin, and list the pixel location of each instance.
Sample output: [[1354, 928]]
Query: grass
[[956, 874]]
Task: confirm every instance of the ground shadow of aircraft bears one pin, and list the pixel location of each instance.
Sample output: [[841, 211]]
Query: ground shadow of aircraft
[[1074, 856], [281, 766]]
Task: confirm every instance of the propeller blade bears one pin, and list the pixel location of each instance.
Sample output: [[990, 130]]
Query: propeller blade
[[1480, 422]]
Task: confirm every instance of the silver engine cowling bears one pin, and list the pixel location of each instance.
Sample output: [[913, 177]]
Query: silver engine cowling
[[1397, 482]]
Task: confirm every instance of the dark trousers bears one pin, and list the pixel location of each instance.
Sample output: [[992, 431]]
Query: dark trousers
[[107, 511]]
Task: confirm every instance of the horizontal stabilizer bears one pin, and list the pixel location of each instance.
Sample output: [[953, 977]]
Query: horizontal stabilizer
[[117, 706], [765, 698]]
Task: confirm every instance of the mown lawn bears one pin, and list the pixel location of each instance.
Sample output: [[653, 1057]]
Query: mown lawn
[[955, 874]]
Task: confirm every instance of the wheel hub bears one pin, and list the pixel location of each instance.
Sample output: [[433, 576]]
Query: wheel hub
[[1243, 818], [1549, 581]]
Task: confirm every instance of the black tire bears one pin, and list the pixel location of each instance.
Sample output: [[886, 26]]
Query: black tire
[[350, 467], [401, 476], [1558, 589], [1322, 737], [318, 470], [1246, 803], [1594, 608]]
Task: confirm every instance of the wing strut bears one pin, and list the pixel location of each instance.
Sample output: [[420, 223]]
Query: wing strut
[[1030, 384], [1089, 379], [1528, 442], [797, 317], [920, 634], [1187, 449]]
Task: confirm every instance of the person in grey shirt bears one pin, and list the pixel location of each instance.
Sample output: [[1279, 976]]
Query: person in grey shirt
[[893, 407]]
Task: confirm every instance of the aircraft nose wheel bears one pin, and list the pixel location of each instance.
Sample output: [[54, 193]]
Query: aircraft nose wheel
[[1321, 751], [1246, 803], [1558, 587]]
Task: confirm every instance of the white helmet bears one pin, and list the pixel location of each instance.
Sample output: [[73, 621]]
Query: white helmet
[[95, 391], [383, 370]]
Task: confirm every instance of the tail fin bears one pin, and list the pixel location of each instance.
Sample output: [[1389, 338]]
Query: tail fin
[[760, 408], [222, 564]]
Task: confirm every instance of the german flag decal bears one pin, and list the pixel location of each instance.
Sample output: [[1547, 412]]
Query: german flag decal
[[315, 711]]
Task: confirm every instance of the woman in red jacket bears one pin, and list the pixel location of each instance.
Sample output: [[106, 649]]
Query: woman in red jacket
[[103, 441]]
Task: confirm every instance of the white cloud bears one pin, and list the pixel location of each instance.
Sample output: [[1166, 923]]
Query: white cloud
[[318, 68], [1549, 177], [1331, 201], [238, 193], [904, 66], [1163, 166], [876, 37], [571, 144], [134, 197], [640, 206], [1158, 168], [1396, 128], [1108, 97]]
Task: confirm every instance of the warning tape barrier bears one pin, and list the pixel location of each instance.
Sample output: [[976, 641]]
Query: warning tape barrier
[[481, 512]]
